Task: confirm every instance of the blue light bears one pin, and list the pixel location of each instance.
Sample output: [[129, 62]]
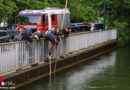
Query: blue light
[[22, 11], [43, 10]]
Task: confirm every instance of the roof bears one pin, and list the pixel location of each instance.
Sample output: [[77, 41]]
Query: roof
[[47, 10]]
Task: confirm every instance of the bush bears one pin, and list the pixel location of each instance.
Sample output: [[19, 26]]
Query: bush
[[123, 33]]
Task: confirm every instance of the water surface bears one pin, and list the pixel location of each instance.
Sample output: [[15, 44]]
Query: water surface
[[110, 71]]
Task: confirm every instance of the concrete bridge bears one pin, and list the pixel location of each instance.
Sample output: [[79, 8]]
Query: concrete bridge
[[15, 55]]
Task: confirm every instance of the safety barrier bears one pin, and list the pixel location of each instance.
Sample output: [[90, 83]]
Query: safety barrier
[[22, 54]]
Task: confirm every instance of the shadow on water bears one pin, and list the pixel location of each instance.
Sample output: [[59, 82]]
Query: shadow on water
[[110, 71]]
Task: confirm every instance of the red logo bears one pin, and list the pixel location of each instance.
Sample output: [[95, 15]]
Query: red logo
[[2, 81]]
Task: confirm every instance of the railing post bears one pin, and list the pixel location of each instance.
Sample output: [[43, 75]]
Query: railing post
[[42, 50], [17, 55], [115, 34], [0, 60], [46, 51], [62, 47]]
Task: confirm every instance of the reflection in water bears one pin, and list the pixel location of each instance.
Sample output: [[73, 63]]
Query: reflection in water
[[76, 80], [107, 72]]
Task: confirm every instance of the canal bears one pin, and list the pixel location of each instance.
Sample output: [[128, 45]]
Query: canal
[[110, 71]]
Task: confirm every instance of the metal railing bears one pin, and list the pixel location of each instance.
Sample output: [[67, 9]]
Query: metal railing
[[21, 54]]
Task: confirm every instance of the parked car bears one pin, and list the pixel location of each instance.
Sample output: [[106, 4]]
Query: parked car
[[11, 27], [74, 27], [7, 35], [12, 33], [84, 26], [4, 37], [81, 25], [98, 27], [87, 26]]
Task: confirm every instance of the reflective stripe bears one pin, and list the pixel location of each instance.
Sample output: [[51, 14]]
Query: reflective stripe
[[48, 32], [36, 36]]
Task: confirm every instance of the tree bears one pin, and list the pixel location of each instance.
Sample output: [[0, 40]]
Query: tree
[[81, 10], [7, 7]]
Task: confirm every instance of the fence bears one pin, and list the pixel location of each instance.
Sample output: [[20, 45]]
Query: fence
[[22, 54]]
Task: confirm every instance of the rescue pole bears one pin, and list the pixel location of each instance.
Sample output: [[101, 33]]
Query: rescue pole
[[56, 59], [61, 28], [50, 58], [64, 14], [50, 72], [49, 19], [50, 64]]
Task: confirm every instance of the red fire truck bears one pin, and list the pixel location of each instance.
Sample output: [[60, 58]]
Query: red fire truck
[[43, 20]]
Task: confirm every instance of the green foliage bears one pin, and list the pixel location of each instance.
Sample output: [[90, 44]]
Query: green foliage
[[7, 7], [119, 18], [123, 33], [81, 11]]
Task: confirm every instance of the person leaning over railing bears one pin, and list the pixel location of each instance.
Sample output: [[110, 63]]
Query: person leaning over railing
[[57, 32], [66, 32], [65, 35], [53, 40], [37, 35], [23, 35], [51, 37]]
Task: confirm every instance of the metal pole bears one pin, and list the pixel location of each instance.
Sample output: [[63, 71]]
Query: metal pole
[[104, 25], [107, 19]]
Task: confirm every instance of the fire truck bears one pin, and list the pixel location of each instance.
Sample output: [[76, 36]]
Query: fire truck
[[43, 20]]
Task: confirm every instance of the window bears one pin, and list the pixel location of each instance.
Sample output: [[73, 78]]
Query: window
[[73, 25], [44, 19], [30, 20], [3, 34], [53, 18]]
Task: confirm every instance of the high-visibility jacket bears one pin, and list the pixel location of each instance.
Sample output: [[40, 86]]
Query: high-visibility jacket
[[36, 36]]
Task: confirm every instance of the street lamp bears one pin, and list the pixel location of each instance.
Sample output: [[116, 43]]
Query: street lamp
[[104, 24]]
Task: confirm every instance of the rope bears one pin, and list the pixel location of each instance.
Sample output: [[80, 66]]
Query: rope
[[61, 28], [50, 64], [56, 59], [64, 14]]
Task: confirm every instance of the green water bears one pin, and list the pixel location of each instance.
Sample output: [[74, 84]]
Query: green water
[[107, 72]]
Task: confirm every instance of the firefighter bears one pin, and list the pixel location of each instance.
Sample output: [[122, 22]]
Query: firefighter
[[21, 29], [56, 32], [29, 31], [66, 32], [23, 35], [52, 41], [37, 35]]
